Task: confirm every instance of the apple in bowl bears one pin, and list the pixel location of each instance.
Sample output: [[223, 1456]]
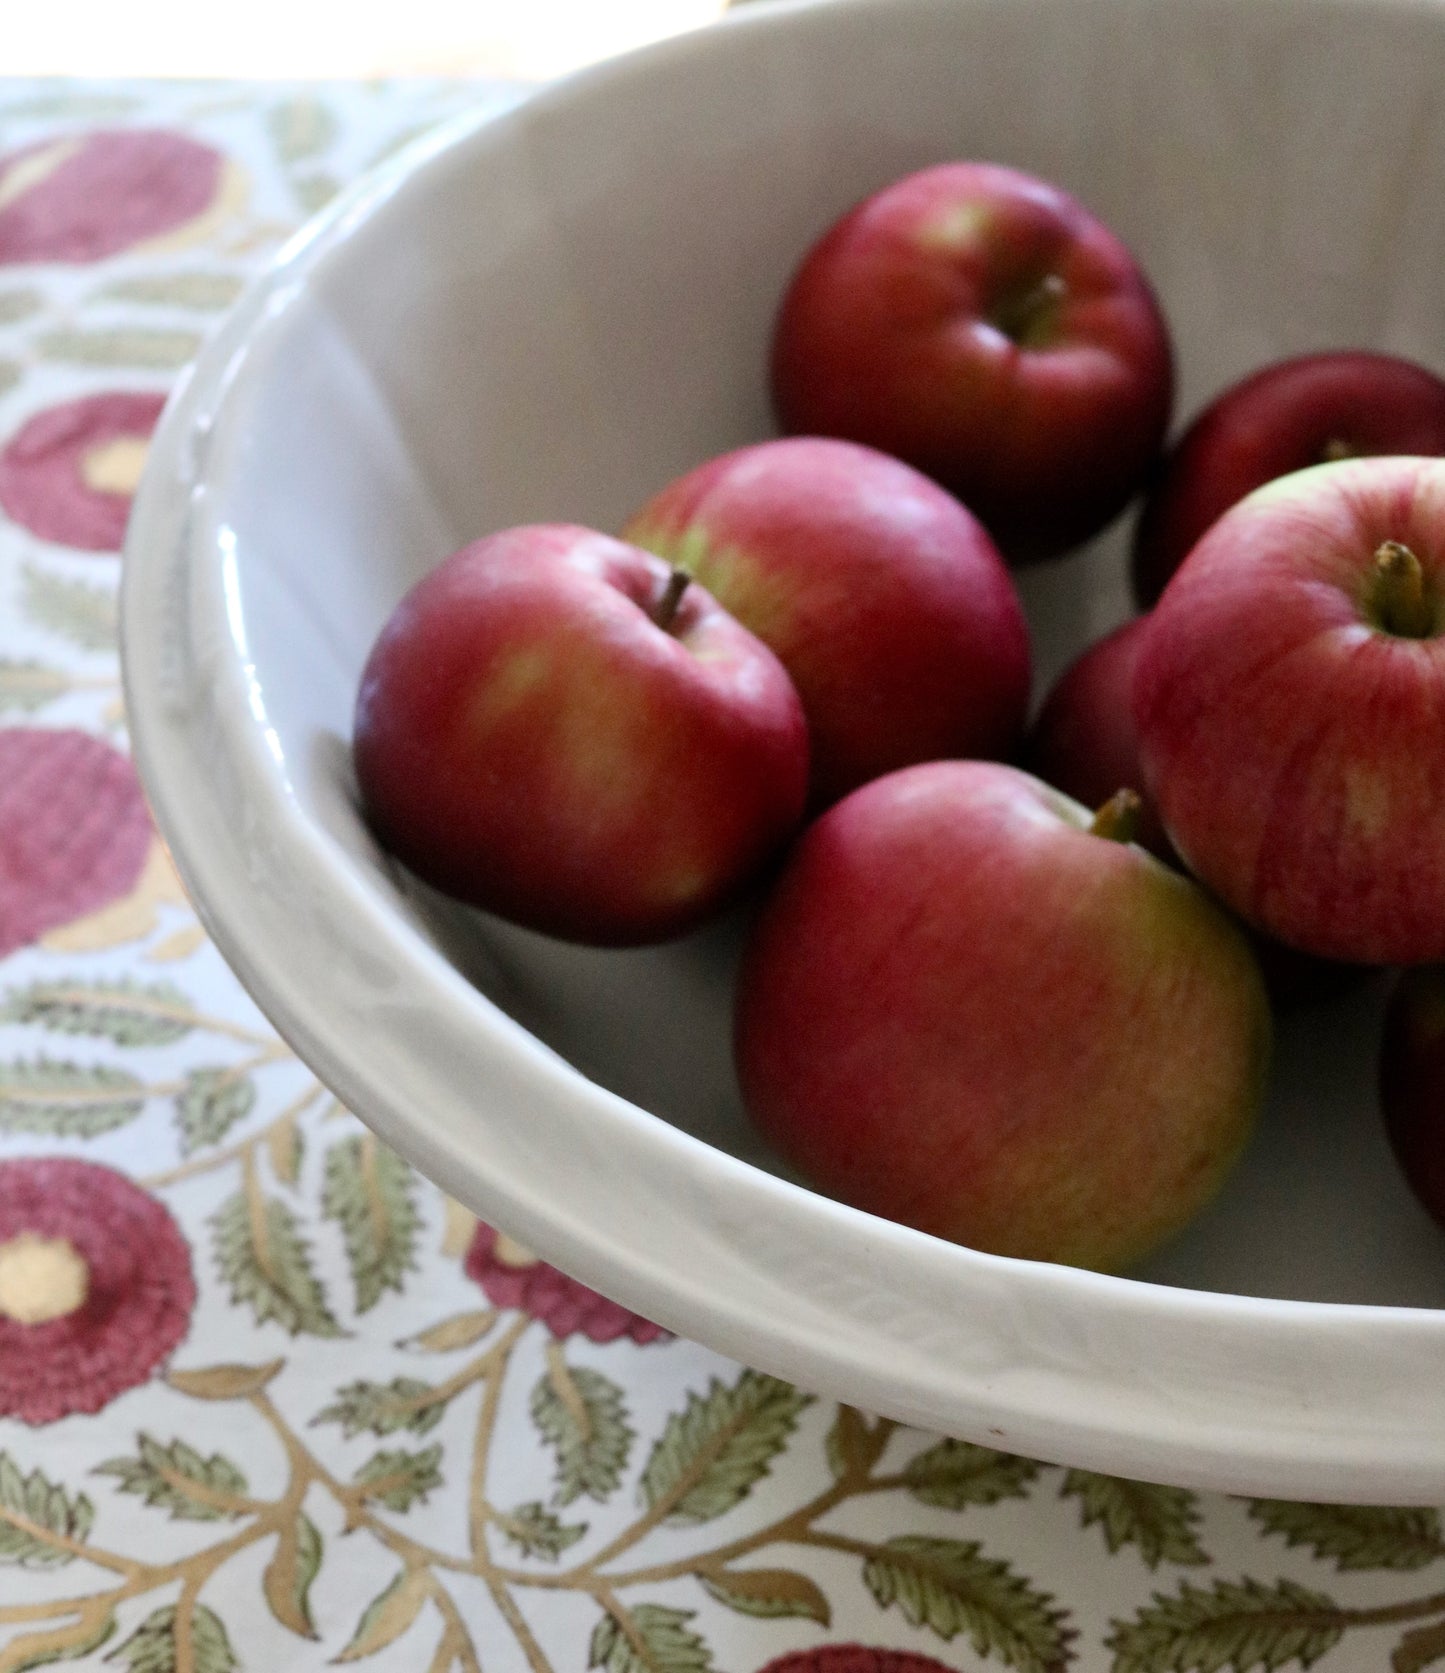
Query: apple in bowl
[[970, 1007], [1288, 697], [882, 596], [555, 727], [1307, 410], [981, 324]]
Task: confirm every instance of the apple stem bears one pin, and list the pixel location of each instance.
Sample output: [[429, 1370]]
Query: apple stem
[[1334, 450], [1400, 601], [1118, 819], [666, 612], [1028, 318]]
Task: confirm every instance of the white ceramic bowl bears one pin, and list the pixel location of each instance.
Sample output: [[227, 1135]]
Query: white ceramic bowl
[[548, 316]]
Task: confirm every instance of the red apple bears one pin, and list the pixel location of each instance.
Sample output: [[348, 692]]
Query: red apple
[[883, 598], [548, 727], [1289, 696], [1084, 741], [1284, 418], [1412, 1082], [984, 326], [967, 1009]]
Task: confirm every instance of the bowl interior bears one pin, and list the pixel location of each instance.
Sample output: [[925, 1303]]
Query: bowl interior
[[573, 305]]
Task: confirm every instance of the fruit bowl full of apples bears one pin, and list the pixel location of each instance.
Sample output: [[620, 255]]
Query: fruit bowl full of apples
[[811, 670]]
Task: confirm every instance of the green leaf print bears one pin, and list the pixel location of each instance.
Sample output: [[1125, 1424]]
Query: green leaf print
[[32, 1506], [370, 1193], [1161, 1521], [949, 1586], [659, 1641], [267, 1264], [127, 1012], [198, 292], [1243, 1625], [153, 1648], [585, 1424], [537, 1532], [67, 1100], [399, 1479], [130, 346], [178, 1479], [954, 1474], [77, 611], [1356, 1536], [213, 1101], [713, 1452], [385, 1408]]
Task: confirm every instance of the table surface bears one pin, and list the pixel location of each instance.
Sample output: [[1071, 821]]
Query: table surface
[[267, 1398]]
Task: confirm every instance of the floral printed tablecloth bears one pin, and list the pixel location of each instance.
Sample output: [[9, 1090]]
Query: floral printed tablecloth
[[267, 1399]]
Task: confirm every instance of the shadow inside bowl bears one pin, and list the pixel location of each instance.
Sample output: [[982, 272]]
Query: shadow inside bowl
[[1316, 1211], [651, 1024]]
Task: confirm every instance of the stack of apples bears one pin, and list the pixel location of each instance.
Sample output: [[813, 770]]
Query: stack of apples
[[1003, 984]]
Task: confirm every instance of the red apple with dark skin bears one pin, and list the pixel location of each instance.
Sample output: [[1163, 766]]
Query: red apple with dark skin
[[1085, 743], [1412, 1082], [881, 595], [969, 1008], [555, 727], [1284, 418], [1289, 696], [983, 325]]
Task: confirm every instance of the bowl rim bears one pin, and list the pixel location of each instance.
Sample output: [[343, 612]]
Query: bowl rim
[[1049, 1361]]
